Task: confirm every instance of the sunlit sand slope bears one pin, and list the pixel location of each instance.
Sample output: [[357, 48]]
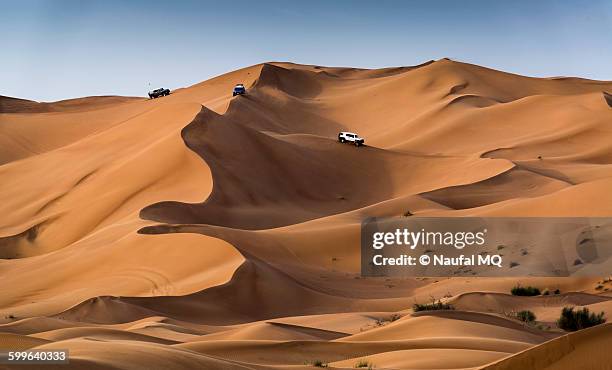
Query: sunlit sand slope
[[202, 230]]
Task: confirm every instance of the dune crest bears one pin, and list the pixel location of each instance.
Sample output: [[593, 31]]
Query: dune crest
[[202, 230]]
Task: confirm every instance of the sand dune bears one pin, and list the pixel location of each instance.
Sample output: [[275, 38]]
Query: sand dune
[[16, 105], [584, 349], [201, 230]]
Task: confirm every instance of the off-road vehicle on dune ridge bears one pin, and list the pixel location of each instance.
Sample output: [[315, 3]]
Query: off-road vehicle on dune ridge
[[350, 137], [159, 92], [239, 89]]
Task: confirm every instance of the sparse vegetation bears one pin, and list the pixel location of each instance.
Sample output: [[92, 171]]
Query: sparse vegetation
[[363, 364], [557, 291], [526, 316], [392, 318], [527, 291], [407, 214], [319, 363], [546, 292], [433, 306], [572, 320]]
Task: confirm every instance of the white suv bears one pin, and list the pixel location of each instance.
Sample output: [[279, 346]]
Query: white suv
[[350, 137]]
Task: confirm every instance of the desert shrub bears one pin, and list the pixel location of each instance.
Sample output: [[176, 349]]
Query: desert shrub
[[543, 327], [528, 291], [526, 316], [546, 292], [319, 363], [363, 364], [557, 291], [433, 306], [385, 321], [572, 320]]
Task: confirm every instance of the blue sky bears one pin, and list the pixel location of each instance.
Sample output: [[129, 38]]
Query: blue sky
[[58, 49]]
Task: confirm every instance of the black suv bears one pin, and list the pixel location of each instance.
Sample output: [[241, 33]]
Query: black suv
[[159, 92]]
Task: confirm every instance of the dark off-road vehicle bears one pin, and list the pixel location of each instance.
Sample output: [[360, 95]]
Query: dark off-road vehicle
[[159, 92], [239, 90]]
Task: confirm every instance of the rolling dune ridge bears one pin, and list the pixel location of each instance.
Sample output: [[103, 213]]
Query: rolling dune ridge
[[201, 230]]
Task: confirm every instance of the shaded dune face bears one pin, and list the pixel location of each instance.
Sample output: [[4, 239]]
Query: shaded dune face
[[201, 230], [275, 162], [608, 98], [263, 181]]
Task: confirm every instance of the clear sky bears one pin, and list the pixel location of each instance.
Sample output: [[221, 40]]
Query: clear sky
[[59, 49]]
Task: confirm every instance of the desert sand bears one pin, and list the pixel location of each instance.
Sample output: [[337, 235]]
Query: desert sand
[[207, 231]]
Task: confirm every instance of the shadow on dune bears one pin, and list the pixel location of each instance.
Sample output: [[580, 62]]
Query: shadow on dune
[[275, 164], [295, 82], [608, 98], [257, 291]]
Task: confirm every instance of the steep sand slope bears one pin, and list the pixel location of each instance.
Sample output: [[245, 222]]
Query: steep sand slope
[[80, 199], [586, 349], [202, 230]]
